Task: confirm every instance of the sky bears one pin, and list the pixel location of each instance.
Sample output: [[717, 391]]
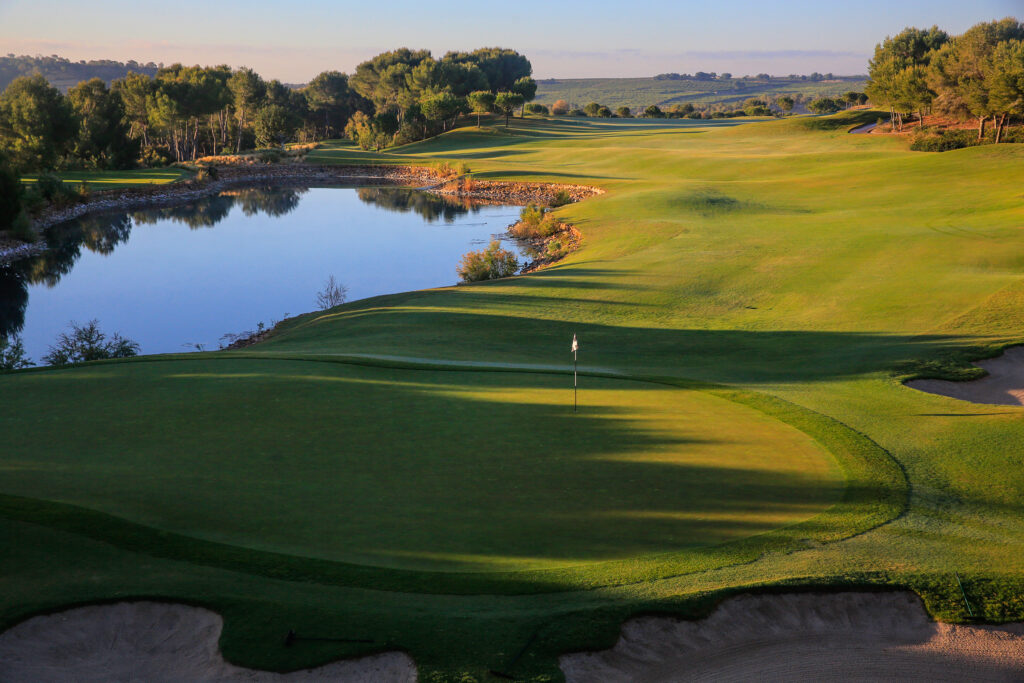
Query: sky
[[293, 41]]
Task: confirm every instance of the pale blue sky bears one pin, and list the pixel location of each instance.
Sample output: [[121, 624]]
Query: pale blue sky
[[295, 40]]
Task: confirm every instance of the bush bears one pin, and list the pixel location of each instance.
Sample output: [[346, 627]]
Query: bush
[[946, 140], [539, 109], [489, 264], [207, 173], [534, 223], [12, 354], [269, 156], [943, 142], [86, 343], [560, 108], [154, 158], [531, 215], [577, 112], [561, 198], [51, 187]]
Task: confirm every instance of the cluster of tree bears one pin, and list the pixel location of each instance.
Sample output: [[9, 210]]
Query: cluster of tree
[[979, 74], [179, 114], [63, 73], [415, 96]]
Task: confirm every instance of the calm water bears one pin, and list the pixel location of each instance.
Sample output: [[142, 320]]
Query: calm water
[[172, 278]]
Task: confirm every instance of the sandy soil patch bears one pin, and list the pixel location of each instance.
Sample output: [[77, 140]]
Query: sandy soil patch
[[154, 642], [805, 637], [1004, 384]]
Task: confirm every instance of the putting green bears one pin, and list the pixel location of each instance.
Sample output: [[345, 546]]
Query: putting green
[[409, 469]]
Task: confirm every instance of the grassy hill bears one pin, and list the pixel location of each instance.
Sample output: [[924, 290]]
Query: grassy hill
[[638, 93], [407, 468]]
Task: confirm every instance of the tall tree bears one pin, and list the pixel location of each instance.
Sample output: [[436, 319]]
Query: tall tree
[[1006, 88], [134, 91], [481, 102], [527, 87], [887, 80], [506, 103], [441, 107], [37, 125], [102, 139], [247, 90], [329, 96], [501, 66], [962, 71], [274, 124]]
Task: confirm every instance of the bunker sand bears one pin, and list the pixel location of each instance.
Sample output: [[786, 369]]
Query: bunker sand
[[820, 637], [149, 641], [1004, 384]]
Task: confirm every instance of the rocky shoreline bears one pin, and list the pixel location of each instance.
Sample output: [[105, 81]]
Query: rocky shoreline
[[415, 177]]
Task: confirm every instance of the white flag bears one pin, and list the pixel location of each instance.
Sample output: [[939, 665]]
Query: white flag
[[575, 346]]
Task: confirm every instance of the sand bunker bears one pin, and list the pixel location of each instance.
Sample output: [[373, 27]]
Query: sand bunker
[[1004, 384], [806, 637], [154, 642]]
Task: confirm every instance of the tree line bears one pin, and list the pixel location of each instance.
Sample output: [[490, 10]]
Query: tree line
[[415, 96], [182, 113], [179, 114], [977, 75]]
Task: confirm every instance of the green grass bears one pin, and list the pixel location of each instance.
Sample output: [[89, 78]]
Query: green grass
[[738, 286], [638, 93], [104, 179]]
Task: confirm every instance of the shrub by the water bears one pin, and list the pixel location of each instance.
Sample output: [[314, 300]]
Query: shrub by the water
[[488, 264], [561, 198], [87, 342], [534, 223]]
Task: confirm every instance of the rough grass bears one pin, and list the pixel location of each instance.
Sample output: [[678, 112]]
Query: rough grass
[[798, 272]]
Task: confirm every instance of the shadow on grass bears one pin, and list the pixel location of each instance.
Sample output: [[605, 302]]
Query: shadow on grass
[[432, 469]]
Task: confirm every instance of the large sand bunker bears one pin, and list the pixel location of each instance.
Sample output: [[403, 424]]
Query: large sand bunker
[[1004, 384], [806, 637], [154, 642]]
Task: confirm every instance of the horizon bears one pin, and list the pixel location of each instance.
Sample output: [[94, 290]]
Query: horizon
[[745, 38]]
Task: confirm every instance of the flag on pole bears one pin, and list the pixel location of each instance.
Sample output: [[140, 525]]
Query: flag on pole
[[575, 347]]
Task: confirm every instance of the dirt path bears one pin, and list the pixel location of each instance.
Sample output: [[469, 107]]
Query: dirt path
[[863, 130], [155, 642], [1004, 384], [805, 637]]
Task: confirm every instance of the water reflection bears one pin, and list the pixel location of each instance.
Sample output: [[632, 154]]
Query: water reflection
[[102, 233], [430, 207]]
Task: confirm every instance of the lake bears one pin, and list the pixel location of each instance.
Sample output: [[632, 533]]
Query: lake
[[174, 278]]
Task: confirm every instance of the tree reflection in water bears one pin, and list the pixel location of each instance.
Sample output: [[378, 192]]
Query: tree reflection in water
[[430, 207]]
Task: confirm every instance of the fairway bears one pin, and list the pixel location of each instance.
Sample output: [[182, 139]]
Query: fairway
[[407, 468], [412, 469]]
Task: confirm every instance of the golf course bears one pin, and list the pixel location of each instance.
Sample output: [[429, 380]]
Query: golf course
[[408, 472]]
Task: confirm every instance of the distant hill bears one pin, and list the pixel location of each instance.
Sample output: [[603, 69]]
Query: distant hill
[[640, 92], [64, 74]]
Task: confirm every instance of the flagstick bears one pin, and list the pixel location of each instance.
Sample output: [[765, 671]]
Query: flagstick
[[574, 381]]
